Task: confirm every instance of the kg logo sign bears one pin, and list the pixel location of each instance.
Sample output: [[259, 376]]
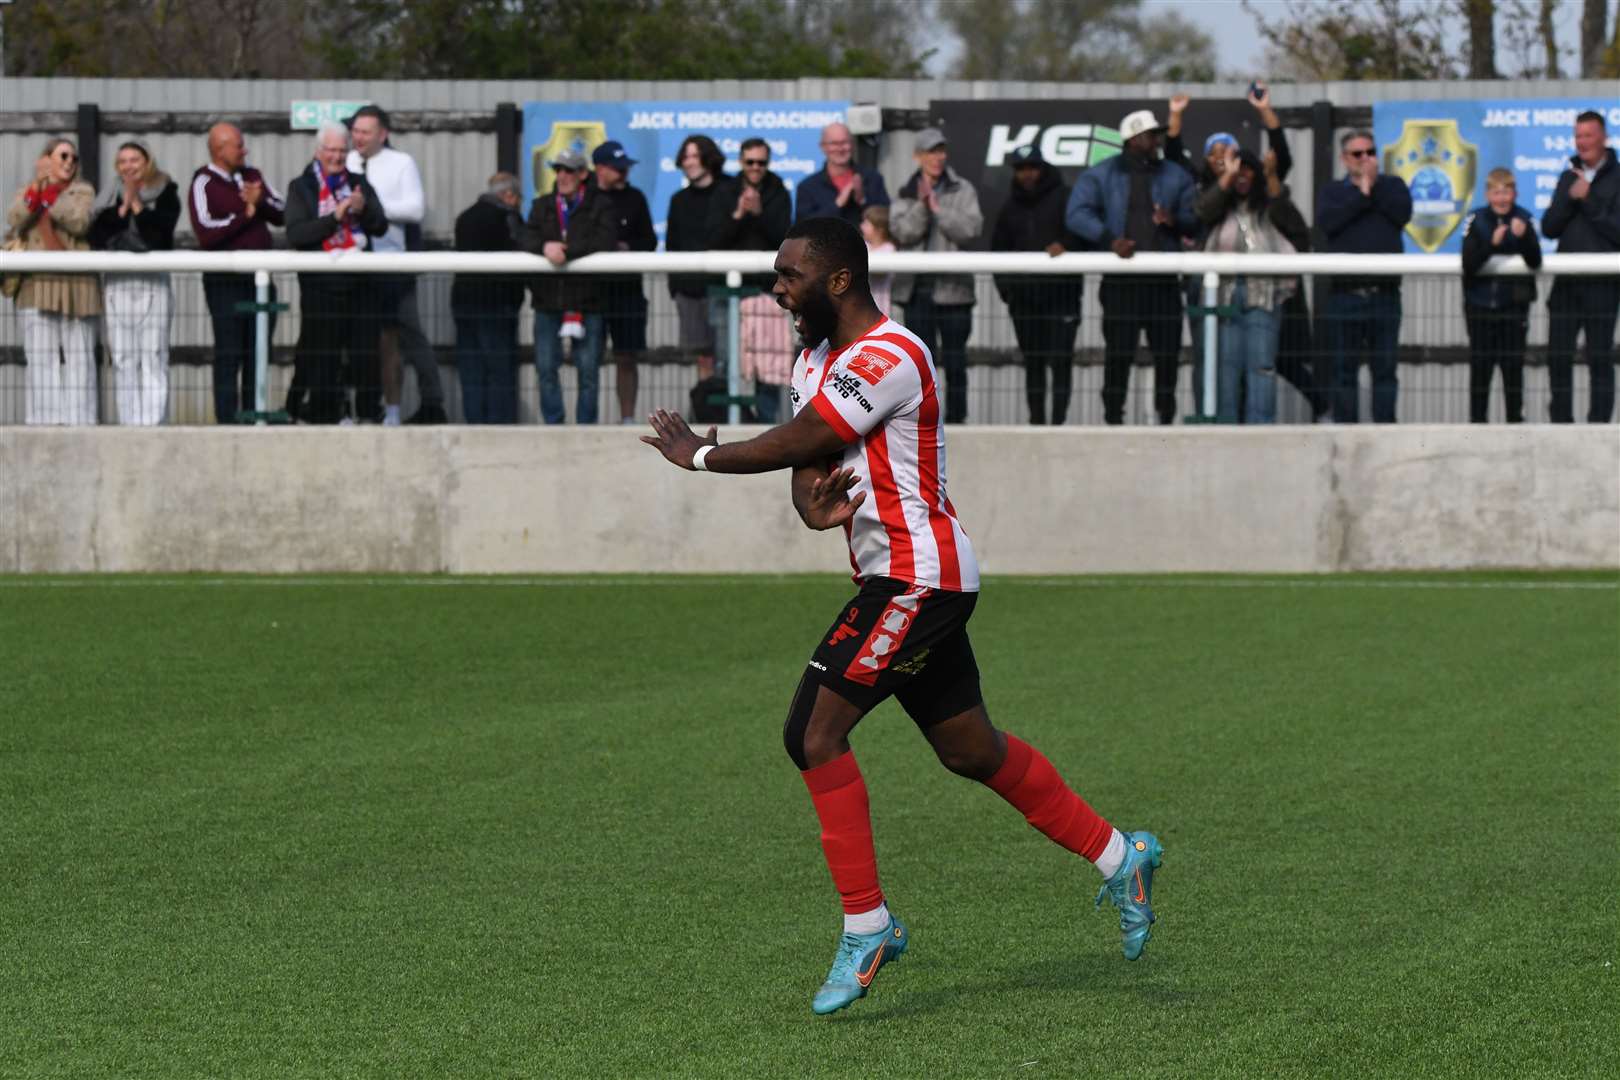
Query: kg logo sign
[[1062, 145]]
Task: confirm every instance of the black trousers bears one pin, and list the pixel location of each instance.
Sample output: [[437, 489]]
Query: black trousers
[[944, 328], [1131, 307], [1592, 305], [1046, 341], [233, 341], [340, 321], [1496, 340]]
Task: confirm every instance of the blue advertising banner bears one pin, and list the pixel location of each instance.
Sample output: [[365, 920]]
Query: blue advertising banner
[[652, 133], [1445, 149]]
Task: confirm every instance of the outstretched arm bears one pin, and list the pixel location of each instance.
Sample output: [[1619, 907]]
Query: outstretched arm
[[804, 440]]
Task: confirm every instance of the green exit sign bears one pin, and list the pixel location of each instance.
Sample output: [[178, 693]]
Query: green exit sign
[[309, 115]]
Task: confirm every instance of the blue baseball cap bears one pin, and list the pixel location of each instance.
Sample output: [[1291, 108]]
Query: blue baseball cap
[[611, 154], [1217, 138]]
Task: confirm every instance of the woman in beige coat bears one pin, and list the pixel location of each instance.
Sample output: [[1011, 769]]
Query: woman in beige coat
[[58, 311]]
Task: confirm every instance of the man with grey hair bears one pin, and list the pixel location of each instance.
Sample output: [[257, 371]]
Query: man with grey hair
[[841, 189], [485, 306], [333, 210], [1363, 213]]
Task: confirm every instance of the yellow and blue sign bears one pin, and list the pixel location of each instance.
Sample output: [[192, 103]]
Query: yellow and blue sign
[[652, 133], [1445, 149]]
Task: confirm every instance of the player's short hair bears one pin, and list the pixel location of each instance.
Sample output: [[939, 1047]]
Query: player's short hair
[[749, 144], [1592, 116], [1501, 178], [1352, 136], [833, 244]]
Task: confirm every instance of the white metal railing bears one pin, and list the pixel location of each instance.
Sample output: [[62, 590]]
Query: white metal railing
[[755, 262], [731, 265]]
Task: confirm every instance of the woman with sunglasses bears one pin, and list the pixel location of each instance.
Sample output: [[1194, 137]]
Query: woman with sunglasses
[[58, 311], [138, 214]]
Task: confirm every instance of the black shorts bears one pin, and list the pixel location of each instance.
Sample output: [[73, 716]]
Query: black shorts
[[905, 640], [624, 317]]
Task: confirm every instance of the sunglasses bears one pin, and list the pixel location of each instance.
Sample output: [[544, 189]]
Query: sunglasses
[[1359, 153], [749, 163], [64, 156]]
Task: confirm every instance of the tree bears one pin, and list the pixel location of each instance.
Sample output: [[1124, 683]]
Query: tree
[[1356, 39], [1529, 38], [220, 39], [464, 39], [1594, 15], [1481, 15], [1075, 40]]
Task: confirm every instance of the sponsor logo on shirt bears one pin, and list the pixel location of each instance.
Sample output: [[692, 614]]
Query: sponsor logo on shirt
[[870, 366], [847, 387]]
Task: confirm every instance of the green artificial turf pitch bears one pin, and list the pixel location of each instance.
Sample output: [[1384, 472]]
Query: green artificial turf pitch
[[392, 828]]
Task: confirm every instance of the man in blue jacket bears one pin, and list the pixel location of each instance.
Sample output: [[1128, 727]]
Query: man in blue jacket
[[1584, 217], [1134, 202], [841, 189], [1364, 213]]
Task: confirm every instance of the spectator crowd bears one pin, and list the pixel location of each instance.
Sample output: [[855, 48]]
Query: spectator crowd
[[358, 330]]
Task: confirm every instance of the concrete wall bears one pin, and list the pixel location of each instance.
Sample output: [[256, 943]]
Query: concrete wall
[[481, 500]]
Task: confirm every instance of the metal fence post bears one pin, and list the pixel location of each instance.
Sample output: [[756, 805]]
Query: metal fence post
[[1212, 297], [261, 343], [733, 346]]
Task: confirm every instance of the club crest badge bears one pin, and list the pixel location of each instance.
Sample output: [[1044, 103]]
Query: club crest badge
[[581, 135], [1440, 168]]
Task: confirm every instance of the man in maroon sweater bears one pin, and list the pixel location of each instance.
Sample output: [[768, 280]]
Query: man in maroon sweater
[[232, 209]]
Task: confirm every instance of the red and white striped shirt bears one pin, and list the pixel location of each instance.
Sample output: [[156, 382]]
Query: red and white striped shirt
[[882, 395]]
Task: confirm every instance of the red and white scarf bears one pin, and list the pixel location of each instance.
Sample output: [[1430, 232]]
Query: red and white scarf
[[334, 189]]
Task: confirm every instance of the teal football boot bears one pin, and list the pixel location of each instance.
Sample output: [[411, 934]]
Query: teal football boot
[[1131, 890], [857, 963]]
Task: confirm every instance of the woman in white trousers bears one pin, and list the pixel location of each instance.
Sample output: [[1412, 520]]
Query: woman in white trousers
[[58, 311], [138, 214]]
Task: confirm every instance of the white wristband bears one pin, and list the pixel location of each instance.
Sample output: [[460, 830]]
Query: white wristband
[[697, 458]]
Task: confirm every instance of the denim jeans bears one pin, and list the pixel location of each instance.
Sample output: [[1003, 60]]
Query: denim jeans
[[1248, 362], [1364, 328], [587, 357], [485, 344]]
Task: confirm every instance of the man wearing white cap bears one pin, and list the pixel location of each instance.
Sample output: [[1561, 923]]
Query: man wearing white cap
[[1134, 202]]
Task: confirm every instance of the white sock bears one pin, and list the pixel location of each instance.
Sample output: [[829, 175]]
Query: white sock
[[870, 922], [1113, 856], [390, 414]]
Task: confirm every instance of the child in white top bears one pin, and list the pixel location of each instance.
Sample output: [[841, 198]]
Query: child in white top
[[875, 228]]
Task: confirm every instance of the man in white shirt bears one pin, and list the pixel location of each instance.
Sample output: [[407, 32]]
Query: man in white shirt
[[394, 176]]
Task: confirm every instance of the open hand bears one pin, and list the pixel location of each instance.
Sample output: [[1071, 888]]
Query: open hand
[[830, 504], [1179, 102], [1517, 227], [675, 439]]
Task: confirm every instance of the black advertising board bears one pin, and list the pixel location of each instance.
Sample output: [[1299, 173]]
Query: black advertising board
[[1070, 134]]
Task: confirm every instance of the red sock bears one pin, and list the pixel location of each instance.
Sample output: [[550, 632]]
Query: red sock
[[1028, 781], [846, 831]]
